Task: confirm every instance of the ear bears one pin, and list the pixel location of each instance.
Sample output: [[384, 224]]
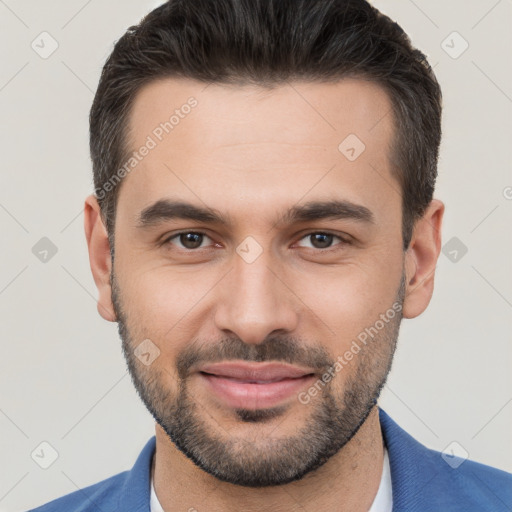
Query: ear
[[421, 260], [99, 256]]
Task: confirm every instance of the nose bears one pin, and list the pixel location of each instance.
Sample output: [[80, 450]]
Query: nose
[[256, 301]]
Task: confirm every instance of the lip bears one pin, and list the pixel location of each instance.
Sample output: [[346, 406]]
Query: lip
[[254, 385], [264, 372]]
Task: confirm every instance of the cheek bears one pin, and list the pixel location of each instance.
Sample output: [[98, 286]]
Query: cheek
[[350, 298], [160, 302]]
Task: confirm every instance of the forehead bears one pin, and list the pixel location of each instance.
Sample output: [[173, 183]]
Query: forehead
[[232, 146]]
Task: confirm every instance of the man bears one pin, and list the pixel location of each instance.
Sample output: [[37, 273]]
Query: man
[[263, 219]]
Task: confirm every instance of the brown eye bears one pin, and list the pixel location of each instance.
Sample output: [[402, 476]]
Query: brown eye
[[191, 240], [188, 240], [321, 240]]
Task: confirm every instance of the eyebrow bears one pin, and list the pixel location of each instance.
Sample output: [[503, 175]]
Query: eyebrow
[[166, 209]]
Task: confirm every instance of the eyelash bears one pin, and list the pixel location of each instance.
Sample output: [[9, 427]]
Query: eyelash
[[343, 241]]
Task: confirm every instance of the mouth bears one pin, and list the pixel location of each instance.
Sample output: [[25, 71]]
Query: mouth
[[254, 385]]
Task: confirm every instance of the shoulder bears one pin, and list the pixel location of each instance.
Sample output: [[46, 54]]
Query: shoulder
[[461, 484], [128, 491], [481, 484], [426, 480], [102, 496]]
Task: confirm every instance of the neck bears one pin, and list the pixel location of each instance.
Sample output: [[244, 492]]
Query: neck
[[347, 482]]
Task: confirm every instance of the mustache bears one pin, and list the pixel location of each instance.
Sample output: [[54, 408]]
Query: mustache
[[285, 350]]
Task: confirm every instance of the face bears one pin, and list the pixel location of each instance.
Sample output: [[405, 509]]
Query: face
[[257, 244]]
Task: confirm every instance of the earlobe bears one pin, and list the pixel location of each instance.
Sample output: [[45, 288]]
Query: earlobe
[[421, 260], [99, 256]]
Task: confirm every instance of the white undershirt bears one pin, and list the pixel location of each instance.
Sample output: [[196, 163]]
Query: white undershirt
[[383, 501]]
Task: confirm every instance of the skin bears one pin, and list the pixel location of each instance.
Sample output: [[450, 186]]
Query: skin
[[252, 153]]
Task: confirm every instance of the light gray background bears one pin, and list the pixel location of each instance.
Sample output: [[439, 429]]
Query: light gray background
[[63, 377]]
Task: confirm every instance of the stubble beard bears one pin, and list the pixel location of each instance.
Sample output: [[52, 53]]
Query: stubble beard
[[331, 420]]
